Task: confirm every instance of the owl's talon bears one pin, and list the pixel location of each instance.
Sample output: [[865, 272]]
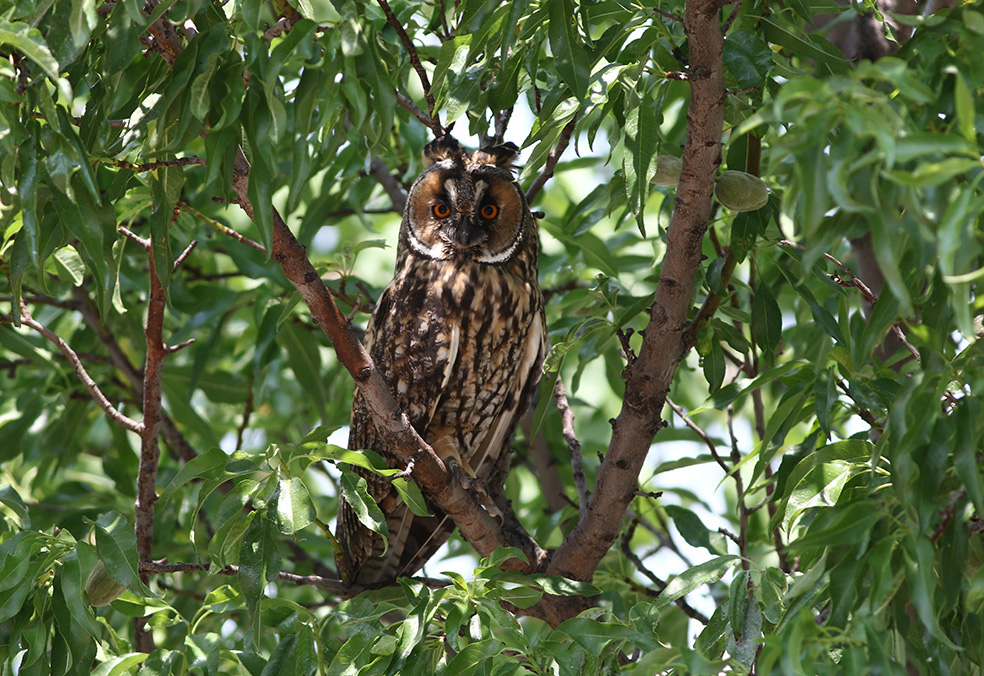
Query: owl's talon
[[475, 486]]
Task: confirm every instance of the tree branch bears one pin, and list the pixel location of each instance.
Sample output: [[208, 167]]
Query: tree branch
[[175, 439], [414, 109], [435, 123], [150, 450], [700, 433], [122, 420], [552, 159], [574, 446], [664, 343], [329, 585], [390, 184]]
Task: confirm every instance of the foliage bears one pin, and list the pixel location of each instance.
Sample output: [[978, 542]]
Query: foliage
[[845, 437]]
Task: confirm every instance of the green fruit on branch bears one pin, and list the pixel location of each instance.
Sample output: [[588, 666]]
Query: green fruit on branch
[[668, 170], [741, 191], [100, 588]]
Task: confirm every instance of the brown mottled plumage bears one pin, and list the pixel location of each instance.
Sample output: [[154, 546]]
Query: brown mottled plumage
[[459, 336]]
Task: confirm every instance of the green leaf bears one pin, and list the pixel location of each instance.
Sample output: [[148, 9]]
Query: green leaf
[[295, 508], [120, 664], [595, 636], [692, 578], [304, 353], [766, 319], [714, 366], [355, 492], [259, 563], [820, 487], [825, 398], [747, 58], [116, 545], [208, 465], [29, 42], [967, 418], [641, 141], [410, 494], [69, 264], [472, 656], [570, 58], [694, 531], [82, 21]]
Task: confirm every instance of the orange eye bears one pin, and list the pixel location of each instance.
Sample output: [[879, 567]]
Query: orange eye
[[489, 211], [441, 210]]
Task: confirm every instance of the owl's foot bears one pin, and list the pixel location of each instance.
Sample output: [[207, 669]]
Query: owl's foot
[[473, 485]]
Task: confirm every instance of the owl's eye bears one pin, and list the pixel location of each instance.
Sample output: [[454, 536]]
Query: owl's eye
[[489, 211], [441, 210]]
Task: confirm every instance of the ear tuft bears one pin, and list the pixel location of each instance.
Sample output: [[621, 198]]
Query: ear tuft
[[501, 156], [443, 148]]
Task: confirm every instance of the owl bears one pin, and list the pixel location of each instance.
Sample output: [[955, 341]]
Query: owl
[[459, 336]]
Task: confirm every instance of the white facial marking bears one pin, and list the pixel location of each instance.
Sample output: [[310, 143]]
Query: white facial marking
[[452, 189], [436, 252], [505, 253], [480, 188]]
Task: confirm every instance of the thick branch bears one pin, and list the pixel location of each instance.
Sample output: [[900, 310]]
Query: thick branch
[[664, 345]]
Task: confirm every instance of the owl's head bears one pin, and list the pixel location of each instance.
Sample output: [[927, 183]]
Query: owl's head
[[465, 206]]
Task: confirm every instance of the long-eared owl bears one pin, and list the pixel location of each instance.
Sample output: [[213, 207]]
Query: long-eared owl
[[458, 335]]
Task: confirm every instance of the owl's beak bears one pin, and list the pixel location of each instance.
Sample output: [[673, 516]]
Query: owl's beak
[[465, 233]]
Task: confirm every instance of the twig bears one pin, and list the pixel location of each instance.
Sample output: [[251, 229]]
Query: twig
[[700, 433], [681, 602], [158, 164], [120, 419], [184, 254], [743, 512], [668, 15], [145, 243], [224, 229], [171, 349], [151, 403], [573, 446], [713, 300], [770, 489], [247, 412], [858, 410], [324, 583], [435, 124], [948, 513], [118, 358], [414, 109], [40, 299], [855, 281], [390, 184], [500, 122], [551, 162], [623, 339], [731, 17]]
